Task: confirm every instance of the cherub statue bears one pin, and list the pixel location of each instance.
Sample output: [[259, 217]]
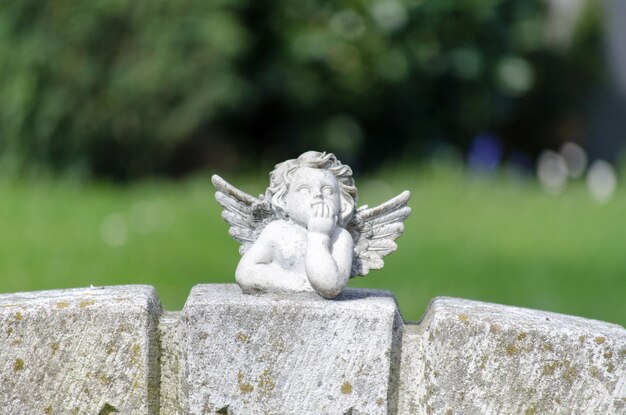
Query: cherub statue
[[305, 233]]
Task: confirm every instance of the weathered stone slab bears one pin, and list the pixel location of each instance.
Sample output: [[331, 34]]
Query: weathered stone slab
[[467, 357], [81, 351], [290, 354]]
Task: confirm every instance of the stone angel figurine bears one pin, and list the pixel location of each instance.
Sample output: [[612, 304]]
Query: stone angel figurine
[[305, 233]]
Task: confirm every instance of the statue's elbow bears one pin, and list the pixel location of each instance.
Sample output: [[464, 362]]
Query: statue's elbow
[[244, 274], [329, 293], [329, 287]]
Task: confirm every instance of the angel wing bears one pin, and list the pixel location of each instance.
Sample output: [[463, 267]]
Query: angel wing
[[374, 231], [246, 214]]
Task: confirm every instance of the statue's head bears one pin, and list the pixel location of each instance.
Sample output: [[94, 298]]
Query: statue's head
[[297, 185]]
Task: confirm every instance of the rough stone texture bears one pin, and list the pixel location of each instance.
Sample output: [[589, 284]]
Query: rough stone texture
[[468, 357], [81, 351], [100, 351], [173, 364], [295, 354]]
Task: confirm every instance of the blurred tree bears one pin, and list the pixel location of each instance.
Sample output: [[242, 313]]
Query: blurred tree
[[112, 87], [126, 88], [375, 79]]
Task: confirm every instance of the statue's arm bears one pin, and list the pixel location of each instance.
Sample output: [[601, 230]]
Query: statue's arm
[[258, 272], [328, 260], [343, 251]]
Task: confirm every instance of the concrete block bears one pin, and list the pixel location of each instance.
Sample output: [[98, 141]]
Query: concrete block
[[290, 354], [467, 357], [79, 352]]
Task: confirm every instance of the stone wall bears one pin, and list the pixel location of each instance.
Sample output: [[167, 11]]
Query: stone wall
[[108, 350]]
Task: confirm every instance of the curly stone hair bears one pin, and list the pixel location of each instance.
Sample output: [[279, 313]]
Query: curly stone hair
[[280, 179]]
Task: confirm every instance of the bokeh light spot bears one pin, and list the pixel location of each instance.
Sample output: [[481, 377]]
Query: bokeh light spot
[[348, 23], [552, 172], [601, 181], [575, 159], [114, 231], [514, 76], [390, 15]]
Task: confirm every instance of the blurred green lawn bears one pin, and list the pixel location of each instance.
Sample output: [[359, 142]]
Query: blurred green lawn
[[493, 239]]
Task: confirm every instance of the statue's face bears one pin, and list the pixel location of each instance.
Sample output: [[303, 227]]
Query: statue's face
[[308, 189]]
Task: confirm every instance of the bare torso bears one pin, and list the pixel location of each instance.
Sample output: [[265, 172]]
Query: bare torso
[[278, 257]]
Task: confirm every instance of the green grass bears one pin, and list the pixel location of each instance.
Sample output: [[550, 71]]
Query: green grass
[[498, 240]]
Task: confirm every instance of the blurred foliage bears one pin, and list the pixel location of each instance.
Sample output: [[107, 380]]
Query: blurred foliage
[[112, 86], [125, 88]]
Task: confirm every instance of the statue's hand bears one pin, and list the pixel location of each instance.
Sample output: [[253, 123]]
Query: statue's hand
[[323, 220]]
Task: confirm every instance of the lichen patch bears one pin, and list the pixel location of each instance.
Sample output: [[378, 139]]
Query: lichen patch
[[18, 365], [512, 350], [548, 369], [244, 387], [136, 355], [265, 383], [610, 368], [530, 411]]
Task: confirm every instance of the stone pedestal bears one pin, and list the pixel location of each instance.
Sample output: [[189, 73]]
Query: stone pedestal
[[469, 357], [82, 351], [295, 354]]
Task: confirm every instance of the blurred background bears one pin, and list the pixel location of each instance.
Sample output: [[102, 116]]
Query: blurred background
[[505, 118]]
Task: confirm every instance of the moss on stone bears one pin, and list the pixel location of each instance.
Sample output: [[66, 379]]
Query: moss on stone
[[107, 409], [18, 365]]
